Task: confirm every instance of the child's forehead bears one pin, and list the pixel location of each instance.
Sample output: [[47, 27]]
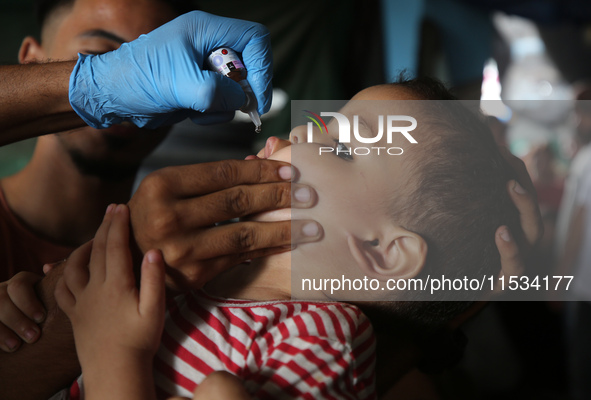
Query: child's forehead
[[373, 104], [388, 99], [386, 92]]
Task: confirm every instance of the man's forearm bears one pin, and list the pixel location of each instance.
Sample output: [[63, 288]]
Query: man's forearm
[[34, 100], [39, 370]]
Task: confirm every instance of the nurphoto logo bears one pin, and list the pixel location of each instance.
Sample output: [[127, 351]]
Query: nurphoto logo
[[392, 127]]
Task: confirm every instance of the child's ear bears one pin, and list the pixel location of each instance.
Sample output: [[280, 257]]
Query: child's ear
[[30, 51], [397, 253]]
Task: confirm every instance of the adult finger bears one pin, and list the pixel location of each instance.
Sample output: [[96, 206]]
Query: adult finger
[[200, 179], [217, 93], [119, 265], [224, 240], [76, 273], [64, 297], [511, 261], [240, 201], [242, 237], [225, 246], [519, 167], [152, 287], [529, 212], [258, 60], [97, 267], [21, 290]]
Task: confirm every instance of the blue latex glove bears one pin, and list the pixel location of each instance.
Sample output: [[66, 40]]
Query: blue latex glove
[[159, 78]]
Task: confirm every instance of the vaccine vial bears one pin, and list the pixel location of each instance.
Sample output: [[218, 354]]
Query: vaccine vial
[[225, 61]]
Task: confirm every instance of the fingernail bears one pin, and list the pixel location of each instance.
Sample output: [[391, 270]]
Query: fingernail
[[518, 188], [29, 334], [38, 317], [11, 344], [110, 208], [119, 208], [152, 257], [286, 172], [505, 235], [310, 229], [46, 268], [302, 195]]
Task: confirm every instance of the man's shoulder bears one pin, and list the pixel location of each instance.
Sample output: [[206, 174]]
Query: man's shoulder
[[20, 248]]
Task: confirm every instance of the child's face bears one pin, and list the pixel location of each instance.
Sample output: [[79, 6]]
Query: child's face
[[354, 193]]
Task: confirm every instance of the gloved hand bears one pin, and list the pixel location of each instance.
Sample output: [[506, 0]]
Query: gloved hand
[[159, 78]]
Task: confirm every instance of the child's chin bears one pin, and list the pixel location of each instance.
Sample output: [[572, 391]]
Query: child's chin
[[270, 216]]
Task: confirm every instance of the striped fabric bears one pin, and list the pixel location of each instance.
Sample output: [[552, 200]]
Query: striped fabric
[[282, 350]]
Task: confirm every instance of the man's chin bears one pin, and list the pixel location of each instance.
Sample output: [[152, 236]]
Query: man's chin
[[126, 130]]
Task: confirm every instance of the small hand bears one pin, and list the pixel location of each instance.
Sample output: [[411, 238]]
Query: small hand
[[110, 317]]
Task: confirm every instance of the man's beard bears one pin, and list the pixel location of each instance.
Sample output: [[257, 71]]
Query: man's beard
[[102, 169], [106, 168]]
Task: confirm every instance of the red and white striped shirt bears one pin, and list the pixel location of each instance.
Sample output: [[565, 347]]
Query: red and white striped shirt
[[281, 349]]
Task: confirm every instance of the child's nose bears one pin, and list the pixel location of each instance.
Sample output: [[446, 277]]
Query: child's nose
[[299, 134]]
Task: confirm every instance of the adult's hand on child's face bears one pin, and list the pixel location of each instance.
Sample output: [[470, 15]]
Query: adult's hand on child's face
[[20, 311], [523, 194], [98, 293], [175, 210]]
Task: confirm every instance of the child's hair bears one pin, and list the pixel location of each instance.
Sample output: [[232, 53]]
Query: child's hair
[[456, 199]]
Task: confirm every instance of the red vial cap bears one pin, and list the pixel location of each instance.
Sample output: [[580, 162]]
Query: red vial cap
[[224, 51]]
